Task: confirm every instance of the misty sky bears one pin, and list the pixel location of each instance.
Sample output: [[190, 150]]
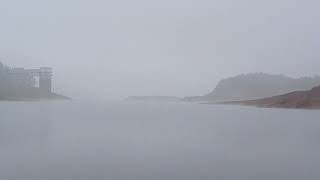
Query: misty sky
[[118, 48]]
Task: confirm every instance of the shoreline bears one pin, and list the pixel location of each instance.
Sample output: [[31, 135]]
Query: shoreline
[[38, 98], [244, 104]]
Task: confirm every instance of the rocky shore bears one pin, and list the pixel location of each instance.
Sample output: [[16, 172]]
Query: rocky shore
[[32, 94]]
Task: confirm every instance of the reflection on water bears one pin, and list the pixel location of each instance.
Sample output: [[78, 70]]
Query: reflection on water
[[86, 141]]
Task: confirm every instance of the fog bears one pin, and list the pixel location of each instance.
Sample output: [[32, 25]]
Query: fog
[[112, 49]]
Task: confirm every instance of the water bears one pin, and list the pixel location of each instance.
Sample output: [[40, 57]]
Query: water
[[127, 141]]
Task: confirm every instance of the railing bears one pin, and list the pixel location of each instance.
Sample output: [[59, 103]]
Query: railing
[[44, 72]]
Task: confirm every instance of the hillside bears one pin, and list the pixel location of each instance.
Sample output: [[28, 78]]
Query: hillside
[[300, 99], [256, 86]]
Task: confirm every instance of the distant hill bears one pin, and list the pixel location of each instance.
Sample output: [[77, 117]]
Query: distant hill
[[154, 98], [256, 86], [300, 100]]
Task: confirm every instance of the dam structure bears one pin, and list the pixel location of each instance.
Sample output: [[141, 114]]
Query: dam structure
[[25, 78], [22, 84]]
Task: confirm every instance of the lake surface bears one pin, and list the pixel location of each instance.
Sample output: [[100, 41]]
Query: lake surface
[[145, 141]]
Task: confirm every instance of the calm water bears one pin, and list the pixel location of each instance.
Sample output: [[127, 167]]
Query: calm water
[[123, 141]]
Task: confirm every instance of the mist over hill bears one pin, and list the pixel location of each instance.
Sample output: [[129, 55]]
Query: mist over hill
[[256, 86]]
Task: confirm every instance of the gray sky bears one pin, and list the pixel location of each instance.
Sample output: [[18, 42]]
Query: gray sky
[[119, 48]]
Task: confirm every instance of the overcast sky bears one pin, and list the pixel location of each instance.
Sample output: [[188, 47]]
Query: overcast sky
[[118, 48]]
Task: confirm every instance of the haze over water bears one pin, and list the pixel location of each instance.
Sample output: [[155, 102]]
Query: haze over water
[[145, 141]]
